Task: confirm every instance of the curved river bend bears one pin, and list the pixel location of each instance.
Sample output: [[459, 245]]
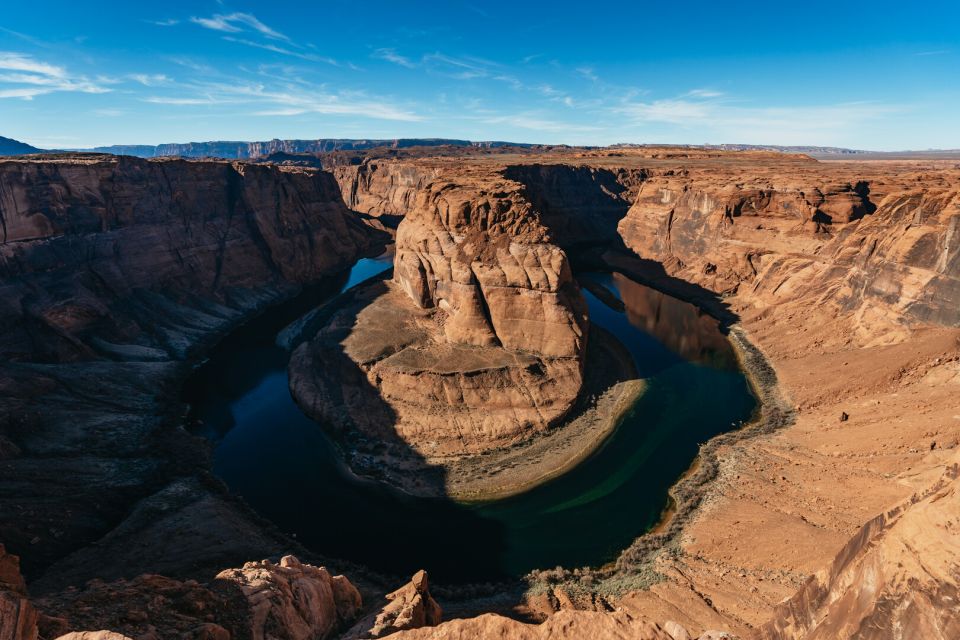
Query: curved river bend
[[287, 469]]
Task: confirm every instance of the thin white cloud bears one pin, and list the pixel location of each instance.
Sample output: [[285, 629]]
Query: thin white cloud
[[22, 62], [668, 111], [150, 80], [391, 55], [26, 77], [510, 80], [704, 93], [238, 22], [728, 120], [288, 99], [588, 73], [185, 101], [462, 68], [165, 23], [536, 122], [287, 52], [26, 94]]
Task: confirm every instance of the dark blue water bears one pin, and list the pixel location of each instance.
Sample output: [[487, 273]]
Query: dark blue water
[[282, 463]]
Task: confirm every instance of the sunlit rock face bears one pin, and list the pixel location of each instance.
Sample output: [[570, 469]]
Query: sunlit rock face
[[491, 328]]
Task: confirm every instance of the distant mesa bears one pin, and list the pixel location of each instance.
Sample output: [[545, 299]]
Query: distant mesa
[[240, 150], [11, 147], [285, 152]]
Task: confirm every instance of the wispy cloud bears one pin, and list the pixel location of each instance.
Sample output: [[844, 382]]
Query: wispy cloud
[[238, 23], [310, 57], [150, 80], [26, 77], [459, 68], [391, 55], [709, 115], [165, 23], [938, 52], [536, 122], [109, 113], [588, 73], [285, 99], [172, 100], [704, 93]]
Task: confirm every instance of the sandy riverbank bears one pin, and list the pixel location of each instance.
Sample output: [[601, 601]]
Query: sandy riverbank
[[610, 377]]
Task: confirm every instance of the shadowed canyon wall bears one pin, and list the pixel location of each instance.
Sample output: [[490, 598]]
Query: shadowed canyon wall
[[116, 272]]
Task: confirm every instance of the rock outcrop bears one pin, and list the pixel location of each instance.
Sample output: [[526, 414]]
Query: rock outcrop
[[409, 607], [18, 618], [260, 601], [565, 625], [478, 342], [115, 275], [898, 577], [850, 240], [294, 601]]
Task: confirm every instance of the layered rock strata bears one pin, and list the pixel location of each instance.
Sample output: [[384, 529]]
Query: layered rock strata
[[262, 600], [881, 250], [898, 576], [409, 607], [116, 274], [478, 341]]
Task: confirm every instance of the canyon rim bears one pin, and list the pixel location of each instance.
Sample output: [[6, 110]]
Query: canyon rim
[[449, 324]]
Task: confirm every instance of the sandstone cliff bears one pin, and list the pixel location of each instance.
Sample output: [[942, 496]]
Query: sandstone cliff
[[262, 600], [479, 340], [897, 578], [115, 274], [846, 275], [877, 250]]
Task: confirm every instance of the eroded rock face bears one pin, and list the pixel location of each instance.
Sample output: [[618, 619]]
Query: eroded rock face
[[852, 242], [898, 577], [409, 607], [292, 600], [565, 625], [479, 340], [114, 274], [18, 618], [261, 600], [485, 260]]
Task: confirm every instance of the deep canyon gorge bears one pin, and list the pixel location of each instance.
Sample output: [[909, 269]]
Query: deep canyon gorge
[[627, 393]]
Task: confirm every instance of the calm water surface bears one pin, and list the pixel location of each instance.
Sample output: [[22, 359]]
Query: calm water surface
[[286, 468]]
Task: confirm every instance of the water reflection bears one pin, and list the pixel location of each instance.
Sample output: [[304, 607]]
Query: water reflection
[[283, 464]]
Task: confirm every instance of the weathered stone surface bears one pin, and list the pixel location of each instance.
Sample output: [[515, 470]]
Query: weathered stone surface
[[564, 625], [18, 618], [486, 347], [94, 635], [409, 607], [259, 601], [115, 274], [852, 241], [898, 577], [292, 600]]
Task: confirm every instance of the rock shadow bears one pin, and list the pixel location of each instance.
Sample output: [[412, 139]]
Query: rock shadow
[[314, 469], [583, 207]]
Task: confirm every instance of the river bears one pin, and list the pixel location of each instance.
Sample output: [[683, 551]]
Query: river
[[284, 465]]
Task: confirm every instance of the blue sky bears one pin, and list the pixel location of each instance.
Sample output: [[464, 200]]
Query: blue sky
[[875, 75]]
